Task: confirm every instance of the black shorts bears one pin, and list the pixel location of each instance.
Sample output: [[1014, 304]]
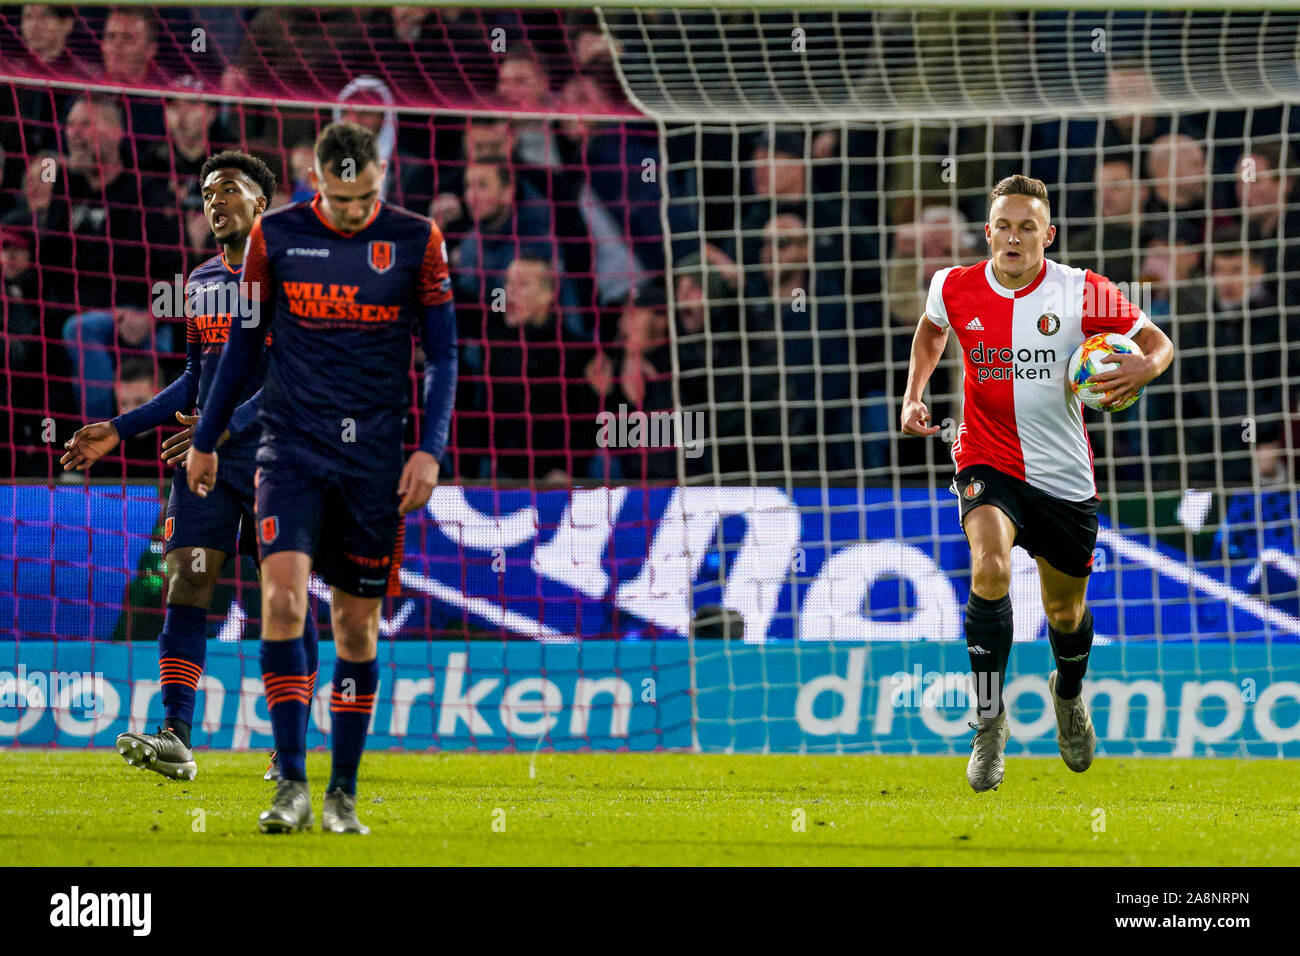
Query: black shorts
[[224, 521], [349, 524], [1063, 533]]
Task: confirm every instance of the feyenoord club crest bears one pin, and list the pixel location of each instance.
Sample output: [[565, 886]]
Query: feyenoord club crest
[[1048, 323], [975, 488], [381, 257]]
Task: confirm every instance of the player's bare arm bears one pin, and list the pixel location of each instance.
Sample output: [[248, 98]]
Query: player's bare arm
[[1135, 371], [927, 348]]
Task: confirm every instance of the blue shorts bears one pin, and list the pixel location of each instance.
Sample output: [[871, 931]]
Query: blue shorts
[[349, 524], [225, 520]]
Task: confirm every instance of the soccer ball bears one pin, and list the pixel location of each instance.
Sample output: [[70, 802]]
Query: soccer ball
[[1089, 359]]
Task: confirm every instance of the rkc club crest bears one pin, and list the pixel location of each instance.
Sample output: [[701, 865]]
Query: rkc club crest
[[381, 256], [270, 529]]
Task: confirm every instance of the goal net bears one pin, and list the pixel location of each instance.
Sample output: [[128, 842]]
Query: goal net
[[690, 250], [834, 161]]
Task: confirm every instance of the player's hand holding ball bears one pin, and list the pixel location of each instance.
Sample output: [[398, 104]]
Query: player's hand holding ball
[[418, 479], [201, 471], [916, 418], [1108, 372]]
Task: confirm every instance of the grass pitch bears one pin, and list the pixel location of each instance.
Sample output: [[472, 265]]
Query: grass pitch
[[88, 808]]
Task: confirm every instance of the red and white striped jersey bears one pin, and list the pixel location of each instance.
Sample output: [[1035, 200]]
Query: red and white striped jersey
[[1020, 415]]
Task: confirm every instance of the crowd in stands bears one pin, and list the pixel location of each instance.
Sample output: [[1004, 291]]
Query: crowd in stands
[[797, 258]]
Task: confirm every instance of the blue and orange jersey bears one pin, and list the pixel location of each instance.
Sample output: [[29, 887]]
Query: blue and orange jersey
[[342, 309], [212, 296]]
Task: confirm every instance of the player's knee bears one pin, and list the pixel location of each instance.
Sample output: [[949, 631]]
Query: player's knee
[[283, 610], [355, 627], [990, 575], [1064, 616], [191, 578]]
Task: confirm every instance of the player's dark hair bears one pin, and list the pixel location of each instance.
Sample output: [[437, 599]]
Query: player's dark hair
[[61, 11], [502, 165], [1019, 185], [342, 141], [250, 166]]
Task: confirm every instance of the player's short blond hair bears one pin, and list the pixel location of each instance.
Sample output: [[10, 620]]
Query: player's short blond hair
[[1019, 185]]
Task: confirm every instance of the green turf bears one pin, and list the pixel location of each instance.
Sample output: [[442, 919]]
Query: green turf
[[89, 808]]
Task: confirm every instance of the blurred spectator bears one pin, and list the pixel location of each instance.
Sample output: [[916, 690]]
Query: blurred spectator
[[796, 333], [136, 383], [940, 238], [409, 179], [1129, 85], [1231, 370], [532, 363], [97, 215], [553, 192], [502, 230], [523, 85], [1179, 179], [128, 47], [29, 113], [618, 204], [1111, 247], [95, 339], [33, 386], [195, 131], [301, 159], [1264, 192], [45, 32], [780, 177], [707, 306], [636, 376]]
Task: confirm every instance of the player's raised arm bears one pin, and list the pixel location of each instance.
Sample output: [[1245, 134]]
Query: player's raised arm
[[94, 441], [438, 333], [238, 362]]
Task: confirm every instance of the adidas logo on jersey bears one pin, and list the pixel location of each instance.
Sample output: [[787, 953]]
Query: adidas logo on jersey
[[974, 325], [979, 650]]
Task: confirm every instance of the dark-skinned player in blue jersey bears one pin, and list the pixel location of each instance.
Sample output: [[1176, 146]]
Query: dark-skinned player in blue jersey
[[342, 283], [198, 535]]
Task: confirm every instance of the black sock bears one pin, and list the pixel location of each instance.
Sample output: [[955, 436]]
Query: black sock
[[1071, 653], [179, 728], [988, 640]]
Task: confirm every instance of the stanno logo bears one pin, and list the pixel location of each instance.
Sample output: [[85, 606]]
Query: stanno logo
[[300, 251], [74, 909], [974, 325]]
